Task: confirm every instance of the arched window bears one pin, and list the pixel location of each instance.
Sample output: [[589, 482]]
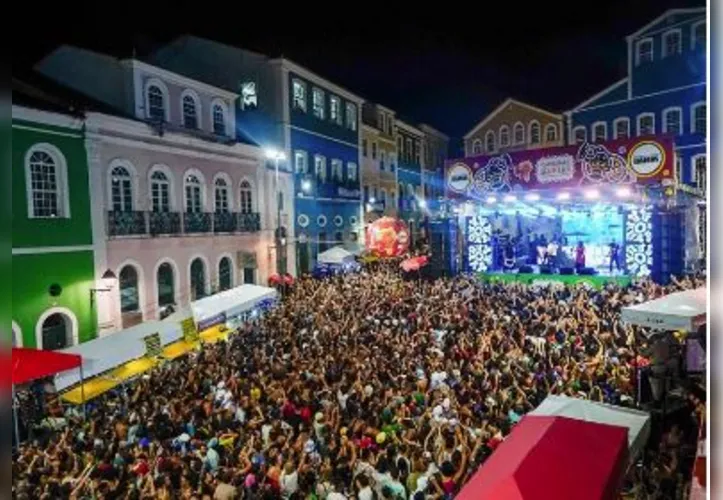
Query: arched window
[[218, 116], [599, 132], [165, 281], [225, 278], [246, 197], [121, 189], [477, 147], [193, 194], [490, 145], [46, 182], [156, 102], [550, 133], [128, 286], [673, 121], [160, 192], [519, 133], [621, 128], [190, 111], [579, 134], [198, 279], [504, 136], [221, 195], [699, 36], [57, 332], [534, 133]]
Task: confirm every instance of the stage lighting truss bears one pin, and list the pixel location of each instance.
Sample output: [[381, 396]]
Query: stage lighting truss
[[638, 240], [479, 249]]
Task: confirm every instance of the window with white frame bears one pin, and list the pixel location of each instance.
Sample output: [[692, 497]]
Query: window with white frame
[[221, 195], [672, 43], [46, 182], [299, 91], [320, 168], [382, 122], [382, 159], [121, 189], [190, 111], [699, 36], [477, 147], [672, 121], [698, 123], [679, 169], [160, 192], [504, 136], [365, 148], [700, 172], [351, 116], [621, 128], [550, 133], [156, 102], [246, 197], [579, 134], [318, 104], [534, 133], [219, 119], [644, 51], [599, 132], [352, 171], [392, 162], [374, 150], [490, 145], [335, 110], [300, 162], [194, 188], [646, 124], [336, 170], [519, 133]]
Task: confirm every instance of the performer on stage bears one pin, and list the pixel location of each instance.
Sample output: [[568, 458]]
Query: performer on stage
[[551, 256], [579, 256], [614, 256]]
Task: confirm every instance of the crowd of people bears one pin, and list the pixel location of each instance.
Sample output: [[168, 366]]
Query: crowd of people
[[364, 386]]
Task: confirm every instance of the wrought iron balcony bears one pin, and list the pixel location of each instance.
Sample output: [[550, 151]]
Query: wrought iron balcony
[[164, 223], [249, 223], [126, 223], [196, 222], [224, 222]]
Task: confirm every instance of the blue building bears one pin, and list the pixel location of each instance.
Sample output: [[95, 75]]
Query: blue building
[[410, 177], [316, 123], [664, 92]]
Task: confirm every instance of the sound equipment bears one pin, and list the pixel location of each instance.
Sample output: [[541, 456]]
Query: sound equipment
[[526, 269], [567, 271], [545, 269], [442, 246], [588, 271], [668, 244]]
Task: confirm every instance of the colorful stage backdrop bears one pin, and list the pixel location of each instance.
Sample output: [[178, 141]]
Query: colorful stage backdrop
[[646, 161]]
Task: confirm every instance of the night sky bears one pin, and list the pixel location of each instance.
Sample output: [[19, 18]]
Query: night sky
[[444, 66]]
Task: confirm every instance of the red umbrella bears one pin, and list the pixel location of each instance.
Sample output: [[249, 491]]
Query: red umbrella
[[288, 279], [274, 279], [414, 263], [546, 458]]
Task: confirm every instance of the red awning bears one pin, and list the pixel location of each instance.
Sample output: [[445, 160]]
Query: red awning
[[31, 364], [546, 458]]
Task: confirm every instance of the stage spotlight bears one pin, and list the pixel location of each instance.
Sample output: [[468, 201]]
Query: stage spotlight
[[510, 198], [491, 199], [592, 194], [623, 192], [563, 196], [532, 197]]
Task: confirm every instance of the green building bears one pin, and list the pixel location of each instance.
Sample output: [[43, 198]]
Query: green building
[[53, 270]]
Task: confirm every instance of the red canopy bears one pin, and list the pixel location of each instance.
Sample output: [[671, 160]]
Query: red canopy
[[31, 364], [546, 458]]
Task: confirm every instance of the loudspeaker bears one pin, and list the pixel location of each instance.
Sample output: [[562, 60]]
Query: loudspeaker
[[546, 270], [668, 244], [525, 269], [441, 246], [588, 271], [567, 270]]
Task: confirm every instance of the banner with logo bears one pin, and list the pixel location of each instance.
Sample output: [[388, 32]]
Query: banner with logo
[[190, 333], [622, 162], [153, 345]]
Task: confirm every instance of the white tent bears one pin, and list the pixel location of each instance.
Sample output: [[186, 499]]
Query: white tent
[[110, 351], [336, 256], [676, 311], [637, 422], [231, 302]]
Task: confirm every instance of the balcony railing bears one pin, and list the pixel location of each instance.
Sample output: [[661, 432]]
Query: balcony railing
[[139, 223]]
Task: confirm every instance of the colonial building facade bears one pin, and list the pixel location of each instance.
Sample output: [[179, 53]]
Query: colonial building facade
[[379, 161], [410, 181], [180, 206]]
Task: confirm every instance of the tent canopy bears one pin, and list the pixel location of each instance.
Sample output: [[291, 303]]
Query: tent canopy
[[636, 422], [110, 351], [676, 311], [231, 302], [32, 364], [548, 458], [336, 255]]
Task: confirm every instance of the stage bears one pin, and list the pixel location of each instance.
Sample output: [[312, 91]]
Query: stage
[[596, 281]]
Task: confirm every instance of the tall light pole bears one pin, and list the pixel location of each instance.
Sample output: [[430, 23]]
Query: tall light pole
[[280, 241]]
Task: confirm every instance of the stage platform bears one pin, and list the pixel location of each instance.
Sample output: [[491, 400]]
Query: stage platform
[[596, 281]]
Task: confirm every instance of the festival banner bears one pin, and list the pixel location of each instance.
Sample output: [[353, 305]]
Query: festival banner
[[190, 333], [387, 237], [645, 161], [153, 345]]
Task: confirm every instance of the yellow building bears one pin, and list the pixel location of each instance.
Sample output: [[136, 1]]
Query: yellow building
[[379, 162]]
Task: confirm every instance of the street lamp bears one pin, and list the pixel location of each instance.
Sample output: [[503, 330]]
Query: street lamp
[[277, 156]]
